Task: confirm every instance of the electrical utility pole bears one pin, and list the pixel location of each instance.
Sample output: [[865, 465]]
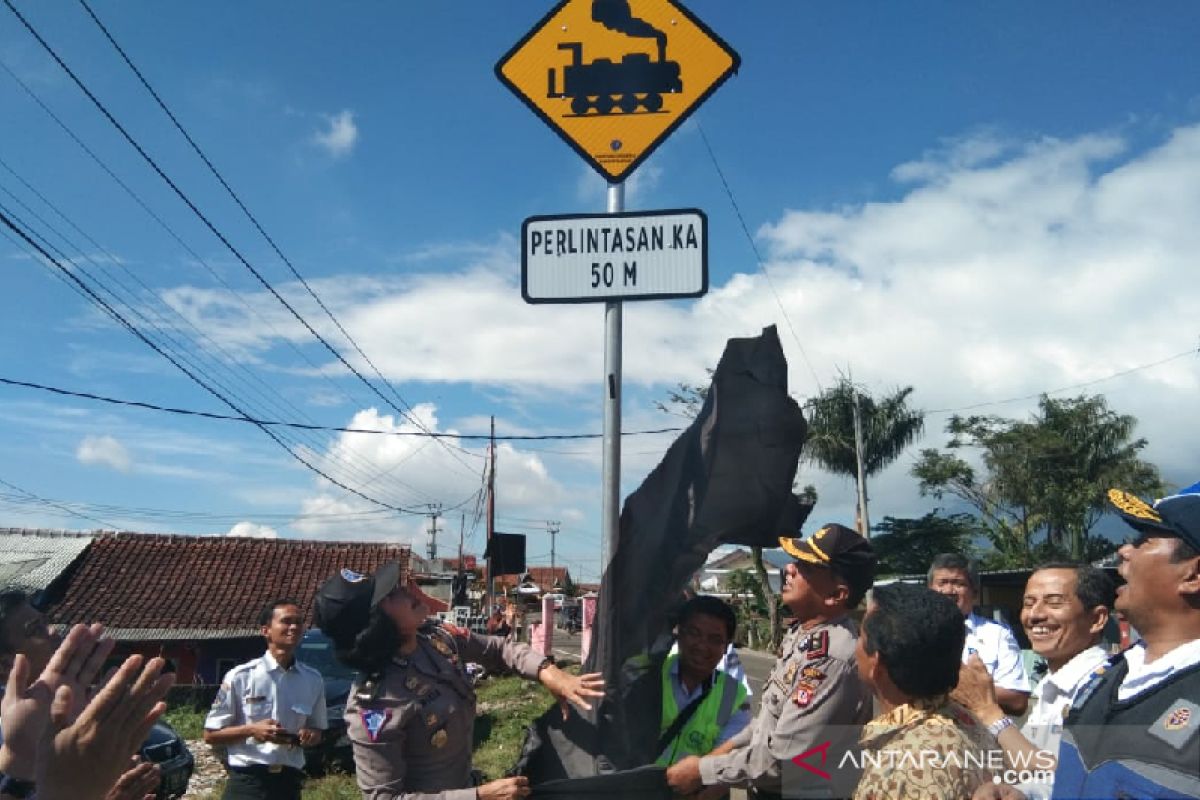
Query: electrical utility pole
[[435, 511], [553, 528], [864, 521], [491, 517]]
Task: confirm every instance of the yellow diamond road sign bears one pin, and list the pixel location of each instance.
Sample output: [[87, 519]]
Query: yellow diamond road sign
[[614, 78]]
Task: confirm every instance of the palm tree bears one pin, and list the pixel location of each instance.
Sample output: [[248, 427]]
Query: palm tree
[[889, 426]]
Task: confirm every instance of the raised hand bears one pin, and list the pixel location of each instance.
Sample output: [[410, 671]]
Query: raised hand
[[81, 757]]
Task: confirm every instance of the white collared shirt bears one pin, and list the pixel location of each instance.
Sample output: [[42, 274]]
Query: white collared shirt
[[1053, 696], [997, 648], [1143, 676], [261, 689]]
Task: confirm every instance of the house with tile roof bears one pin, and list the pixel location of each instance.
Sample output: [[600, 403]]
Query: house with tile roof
[[196, 599]]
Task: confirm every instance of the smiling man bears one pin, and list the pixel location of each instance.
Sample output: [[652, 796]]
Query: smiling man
[[267, 711], [1064, 611]]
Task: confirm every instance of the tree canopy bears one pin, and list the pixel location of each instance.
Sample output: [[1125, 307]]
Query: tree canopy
[[1042, 482]]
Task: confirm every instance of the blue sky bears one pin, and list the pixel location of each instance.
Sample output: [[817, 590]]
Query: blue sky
[[984, 201]]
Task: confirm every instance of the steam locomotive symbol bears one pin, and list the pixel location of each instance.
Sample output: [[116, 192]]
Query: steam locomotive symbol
[[605, 85]]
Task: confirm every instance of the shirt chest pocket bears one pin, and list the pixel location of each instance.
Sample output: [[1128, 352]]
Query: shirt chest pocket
[[258, 706]]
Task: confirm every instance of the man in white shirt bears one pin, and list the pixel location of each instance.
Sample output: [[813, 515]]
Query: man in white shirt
[[1064, 611], [267, 711], [955, 576]]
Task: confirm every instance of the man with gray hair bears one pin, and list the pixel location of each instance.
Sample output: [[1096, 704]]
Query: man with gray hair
[[955, 576]]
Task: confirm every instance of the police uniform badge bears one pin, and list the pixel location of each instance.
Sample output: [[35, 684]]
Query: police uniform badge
[[350, 576], [817, 645], [412, 684], [373, 721], [804, 694], [1178, 724], [439, 739], [442, 647], [813, 674], [431, 720], [790, 675]]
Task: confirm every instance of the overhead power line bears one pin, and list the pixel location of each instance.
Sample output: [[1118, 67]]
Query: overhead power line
[[95, 298], [762, 265], [236, 199], [305, 426], [1072, 387], [202, 217], [354, 463]]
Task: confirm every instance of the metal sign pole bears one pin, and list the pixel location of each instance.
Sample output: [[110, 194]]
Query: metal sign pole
[[610, 495]]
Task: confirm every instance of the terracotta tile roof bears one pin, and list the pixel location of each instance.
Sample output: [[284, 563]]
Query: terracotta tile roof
[[158, 584]]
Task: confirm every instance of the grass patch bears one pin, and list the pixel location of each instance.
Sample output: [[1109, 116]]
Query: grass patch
[[187, 721], [506, 707]]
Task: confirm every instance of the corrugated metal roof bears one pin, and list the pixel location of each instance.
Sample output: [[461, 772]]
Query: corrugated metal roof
[[32, 559]]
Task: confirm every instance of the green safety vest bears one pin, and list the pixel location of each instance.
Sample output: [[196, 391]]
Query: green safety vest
[[699, 735]]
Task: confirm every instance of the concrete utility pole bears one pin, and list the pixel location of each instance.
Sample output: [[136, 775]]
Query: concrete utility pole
[[435, 511], [553, 528], [491, 516]]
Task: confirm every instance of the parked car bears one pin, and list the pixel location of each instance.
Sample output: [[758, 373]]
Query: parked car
[[165, 747], [316, 650]]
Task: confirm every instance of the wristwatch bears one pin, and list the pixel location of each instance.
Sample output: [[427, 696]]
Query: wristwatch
[[15, 787], [1000, 725], [548, 661]]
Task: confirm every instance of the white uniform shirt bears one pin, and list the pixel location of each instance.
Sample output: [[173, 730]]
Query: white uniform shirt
[[259, 690], [997, 648], [1053, 696], [1142, 676]]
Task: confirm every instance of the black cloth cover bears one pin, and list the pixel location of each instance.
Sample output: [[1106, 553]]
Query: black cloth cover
[[727, 479], [507, 553]]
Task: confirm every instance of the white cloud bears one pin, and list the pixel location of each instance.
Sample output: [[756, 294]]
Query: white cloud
[[253, 531], [104, 450], [341, 135], [1001, 269], [410, 473]]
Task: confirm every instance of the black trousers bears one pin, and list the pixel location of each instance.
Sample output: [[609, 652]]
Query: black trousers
[[259, 783]]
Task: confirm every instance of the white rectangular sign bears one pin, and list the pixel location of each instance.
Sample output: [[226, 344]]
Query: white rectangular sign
[[635, 255]]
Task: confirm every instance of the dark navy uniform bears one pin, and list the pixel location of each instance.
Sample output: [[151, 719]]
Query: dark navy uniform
[[1147, 746]]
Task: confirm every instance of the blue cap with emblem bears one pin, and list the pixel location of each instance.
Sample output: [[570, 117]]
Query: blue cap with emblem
[[1177, 515], [343, 604]]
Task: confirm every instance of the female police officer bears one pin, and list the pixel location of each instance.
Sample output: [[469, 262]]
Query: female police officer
[[410, 719]]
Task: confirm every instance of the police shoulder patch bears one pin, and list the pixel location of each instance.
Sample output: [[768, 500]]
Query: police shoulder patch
[[373, 720], [1178, 724]]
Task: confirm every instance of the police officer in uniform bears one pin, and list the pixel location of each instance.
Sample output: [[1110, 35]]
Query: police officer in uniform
[[1135, 731], [410, 720], [814, 704], [267, 710]]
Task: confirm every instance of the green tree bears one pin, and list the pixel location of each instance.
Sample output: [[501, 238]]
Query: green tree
[[1043, 481], [907, 546], [889, 426]]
